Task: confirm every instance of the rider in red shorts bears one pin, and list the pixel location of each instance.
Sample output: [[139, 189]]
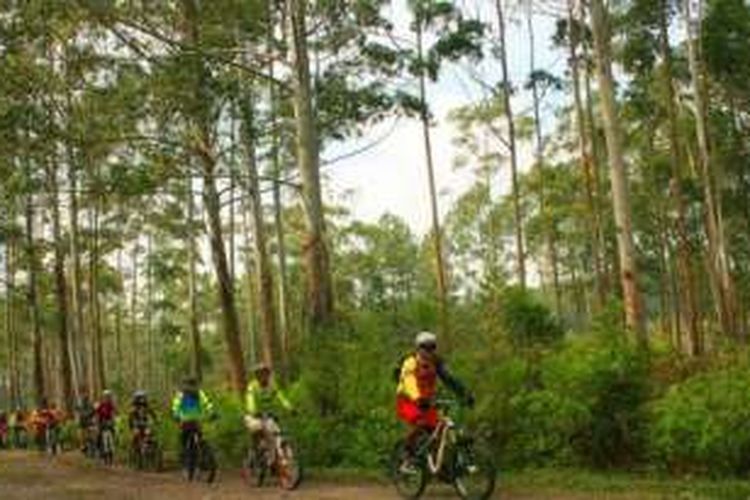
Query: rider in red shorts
[[417, 387]]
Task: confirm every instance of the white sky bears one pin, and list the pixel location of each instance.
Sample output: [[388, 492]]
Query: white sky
[[392, 177]]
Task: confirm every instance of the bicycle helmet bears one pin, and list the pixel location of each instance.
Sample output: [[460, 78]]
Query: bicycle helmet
[[425, 340], [140, 396], [261, 367]]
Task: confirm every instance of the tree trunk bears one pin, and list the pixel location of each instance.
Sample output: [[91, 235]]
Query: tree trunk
[[264, 278], [618, 175], [548, 223], [688, 306], [200, 112], [586, 159], [283, 323], [195, 333], [61, 293], [98, 382], [722, 284], [134, 344], [118, 320], [320, 301], [36, 326], [437, 234], [77, 303], [10, 314], [507, 90]]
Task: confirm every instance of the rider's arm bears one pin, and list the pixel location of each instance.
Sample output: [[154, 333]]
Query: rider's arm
[[451, 382], [283, 400], [408, 381], [206, 404], [251, 404], [176, 402]]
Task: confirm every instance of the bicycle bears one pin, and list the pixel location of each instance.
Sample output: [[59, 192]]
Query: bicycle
[[52, 439], [20, 438], [90, 441], [145, 451], [447, 453], [274, 455], [199, 462], [107, 444]]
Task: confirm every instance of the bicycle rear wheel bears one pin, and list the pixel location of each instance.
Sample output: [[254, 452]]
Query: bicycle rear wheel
[[474, 472], [408, 473], [254, 469]]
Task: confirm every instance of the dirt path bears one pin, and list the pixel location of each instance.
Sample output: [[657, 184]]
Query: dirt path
[[29, 476]]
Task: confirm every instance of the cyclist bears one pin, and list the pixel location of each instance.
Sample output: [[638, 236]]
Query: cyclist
[[261, 399], [140, 417], [190, 406], [417, 387], [18, 427], [105, 413], [42, 419], [86, 420], [4, 430]]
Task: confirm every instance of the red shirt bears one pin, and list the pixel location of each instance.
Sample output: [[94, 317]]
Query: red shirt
[[105, 411]]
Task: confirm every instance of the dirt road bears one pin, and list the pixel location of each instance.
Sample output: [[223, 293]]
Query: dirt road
[[29, 476]]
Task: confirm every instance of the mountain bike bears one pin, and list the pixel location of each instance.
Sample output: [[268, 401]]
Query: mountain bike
[[274, 455], [199, 462], [20, 437], [107, 444], [91, 441], [446, 453], [145, 451], [52, 439]]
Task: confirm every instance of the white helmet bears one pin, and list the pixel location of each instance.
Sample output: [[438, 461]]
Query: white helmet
[[425, 338]]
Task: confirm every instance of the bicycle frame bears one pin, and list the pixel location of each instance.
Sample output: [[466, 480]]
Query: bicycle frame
[[440, 435]]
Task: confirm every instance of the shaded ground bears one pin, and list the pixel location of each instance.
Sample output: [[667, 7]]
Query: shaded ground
[[29, 476]]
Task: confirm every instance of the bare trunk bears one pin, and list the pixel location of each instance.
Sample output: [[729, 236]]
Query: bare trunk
[[36, 326], [283, 322], [10, 316], [118, 321], [150, 351], [200, 115], [549, 225], [437, 234], [520, 253], [264, 278], [618, 175], [722, 283], [98, 382], [61, 294], [320, 303], [77, 303], [586, 157], [195, 333], [686, 297], [134, 344]]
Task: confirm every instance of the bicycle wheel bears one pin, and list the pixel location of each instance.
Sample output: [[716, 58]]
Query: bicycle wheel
[[108, 447], [408, 473], [289, 468], [207, 463], [254, 468], [154, 459], [474, 473]]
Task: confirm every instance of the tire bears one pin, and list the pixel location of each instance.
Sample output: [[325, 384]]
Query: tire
[[288, 466], [154, 459], [207, 463], [409, 474], [254, 468], [190, 460], [474, 473], [108, 447]]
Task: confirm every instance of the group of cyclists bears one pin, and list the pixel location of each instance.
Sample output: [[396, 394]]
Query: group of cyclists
[[416, 378]]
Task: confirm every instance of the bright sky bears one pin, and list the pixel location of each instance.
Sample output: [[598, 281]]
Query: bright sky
[[392, 177]]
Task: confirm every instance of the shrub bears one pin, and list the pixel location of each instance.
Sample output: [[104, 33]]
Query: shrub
[[701, 424], [605, 373]]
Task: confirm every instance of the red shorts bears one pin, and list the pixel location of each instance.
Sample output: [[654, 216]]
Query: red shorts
[[410, 412]]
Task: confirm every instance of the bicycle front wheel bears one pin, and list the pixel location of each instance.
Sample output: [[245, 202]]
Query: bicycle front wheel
[[474, 473], [289, 467], [408, 473]]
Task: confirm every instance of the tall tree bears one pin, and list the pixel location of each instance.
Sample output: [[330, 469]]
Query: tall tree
[[634, 314]]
